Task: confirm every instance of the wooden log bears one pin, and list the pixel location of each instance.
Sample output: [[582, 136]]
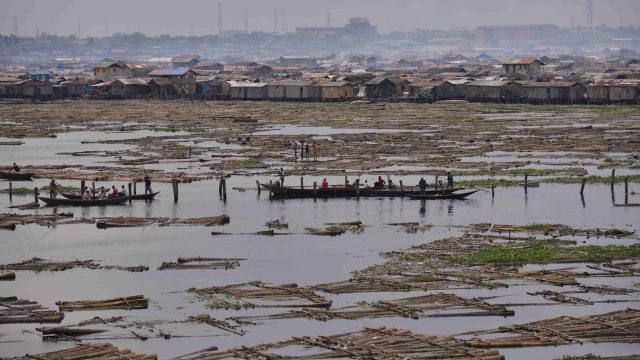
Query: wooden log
[[301, 182], [613, 178], [224, 189], [626, 190], [35, 194], [129, 188], [584, 181], [258, 185], [10, 191], [174, 183], [69, 331], [315, 190], [8, 276]]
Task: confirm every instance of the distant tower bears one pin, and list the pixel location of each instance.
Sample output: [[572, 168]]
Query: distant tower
[[282, 19], [275, 20], [37, 33], [328, 19], [15, 25], [246, 23], [79, 31], [590, 14], [220, 21]]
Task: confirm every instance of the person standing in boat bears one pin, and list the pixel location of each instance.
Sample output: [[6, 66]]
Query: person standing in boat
[[15, 167], [53, 189], [449, 180], [280, 174], [422, 184], [147, 185]]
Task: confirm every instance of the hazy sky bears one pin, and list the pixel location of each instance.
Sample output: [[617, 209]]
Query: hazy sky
[[182, 17]]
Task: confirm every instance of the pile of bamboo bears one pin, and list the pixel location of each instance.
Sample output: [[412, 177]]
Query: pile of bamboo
[[618, 326], [201, 263], [89, 352], [206, 221], [220, 324], [287, 295], [381, 343], [384, 283], [127, 303], [37, 264], [14, 311]]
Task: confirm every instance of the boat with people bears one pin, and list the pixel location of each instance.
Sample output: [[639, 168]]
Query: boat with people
[[16, 176], [149, 196], [462, 195], [289, 192], [83, 202]]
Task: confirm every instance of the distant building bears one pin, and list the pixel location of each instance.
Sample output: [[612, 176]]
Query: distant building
[[298, 61], [528, 68], [503, 34], [357, 29], [34, 89], [182, 61], [42, 75], [183, 80], [111, 70]]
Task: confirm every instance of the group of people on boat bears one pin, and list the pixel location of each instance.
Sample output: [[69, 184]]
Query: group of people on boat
[[101, 193], [380, 183]]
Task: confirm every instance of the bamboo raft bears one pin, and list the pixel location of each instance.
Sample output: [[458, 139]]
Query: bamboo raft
[[380, 343], [614, 327], [126, 303], [14, 311], [89, 352], [37, 264], [287, 296], [201, 263], [432, 305]]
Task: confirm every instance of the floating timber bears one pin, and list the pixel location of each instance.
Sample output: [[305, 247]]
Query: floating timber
[[614, 327], [8, 276], [201, 263], [14, 311], [127, 303], [257, 294], [290, 192], [89, 352], [381, 343], [38, 264]]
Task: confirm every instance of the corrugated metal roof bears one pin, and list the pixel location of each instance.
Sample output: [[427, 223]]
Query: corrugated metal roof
[[291, 83], [551, 84], [527, 61], [333, 84], [131, 81], [378, 80], [106, 64], [169, 72], [233, 83], [495, 83]]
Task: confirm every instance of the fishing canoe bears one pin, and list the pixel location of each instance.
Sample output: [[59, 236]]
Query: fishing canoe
[[16, 176], [450, 196], [133, 197], [80, 202], [331, 192]]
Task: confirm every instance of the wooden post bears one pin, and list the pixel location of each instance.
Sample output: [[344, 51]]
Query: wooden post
[[295, 151], [436, 182], [10, 191], [135, 191], [493, 194], [388, 181], [258, 185], [613, 177], [584, 181], [301, 182], [315, 190], [626, 190], [270, 188], [220, 187], [401, 188], [35, 194], [130, 192], [358, 188], [224, 189], [526, 182], [345, 179], [93, 189], [174, 182], [82, 187]]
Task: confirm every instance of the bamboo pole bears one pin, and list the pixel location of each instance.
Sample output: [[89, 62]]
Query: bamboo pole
[[626, 190], [35, 194], [258, 186], [301, 182], [613, 178], [584, 181], [315, 190], [10, 191], [224, 189]]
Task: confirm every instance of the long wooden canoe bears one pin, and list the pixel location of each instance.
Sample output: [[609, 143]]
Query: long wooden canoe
[[294, 192], [452, 195], [80, 202], [133, 197], [16, 176]]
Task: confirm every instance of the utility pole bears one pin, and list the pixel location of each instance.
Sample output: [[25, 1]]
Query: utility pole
[[590, 14], [328, 19], [275, 20], [220, 22], [15, 25], [246, 23], [282, 19], [79, 31]]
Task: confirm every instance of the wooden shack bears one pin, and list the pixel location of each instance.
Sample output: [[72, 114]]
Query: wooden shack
[[245, 90], [424, 90], [130, 88], [33, 89], [336, 91], [560, 92], [493, 91], [297, 90], [379, 88]]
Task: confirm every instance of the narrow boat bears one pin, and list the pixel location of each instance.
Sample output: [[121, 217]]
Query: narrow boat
[[133, 197], [16, 176], [80, 202], [450, 196], [340, 191]]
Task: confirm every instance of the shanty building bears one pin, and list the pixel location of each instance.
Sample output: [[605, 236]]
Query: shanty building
[[245, 90], [452, 89], [529, 69], [182, 61], [425, 90], [34, 89], [111, 70], [291, 90], [72, 88], [560, 92], [182, 79], [336, 91], [493, 90], [130, 88], [379, 87], [42, 75], [209, 88]]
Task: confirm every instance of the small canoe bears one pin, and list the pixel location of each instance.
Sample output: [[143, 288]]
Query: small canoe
[[450, 196], [133, 197], [80, 202], [16, 176]]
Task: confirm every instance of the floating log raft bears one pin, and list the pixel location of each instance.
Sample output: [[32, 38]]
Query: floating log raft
[[386, 283], [103, 223], [89, 352], [14, 311], [381, 343], [37, 264], [201, 263], [432, 305], [220, 324], [614, 327], [8, 276], [288, 295], [127, 303], [41, 219]]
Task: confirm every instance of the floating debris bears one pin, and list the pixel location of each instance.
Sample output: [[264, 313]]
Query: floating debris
[[201, 263], [126, 303], [220, 324], [8, 276], [38, 264], [276, 224], [14, 311], [288, 295], [618, 326], [89, 352], [381, 343], [104, 223]]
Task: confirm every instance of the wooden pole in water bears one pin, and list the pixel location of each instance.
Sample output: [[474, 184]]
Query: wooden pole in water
[[315, 190], [295, 151], [401, 188], [584, 181], [301, 182], [10, 191], [174, 182], [526, 182], [220, 187], [130, 192], [389, 181], [357, 188], [93, 189], [626, 190], [270, 188], [82, 187], [135, 191], [436, 182], [224, 189], [258, 185], [35, 194], [613, 177], [493, 194]]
